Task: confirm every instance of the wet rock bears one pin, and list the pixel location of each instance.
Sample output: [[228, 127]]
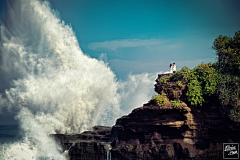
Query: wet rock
[[151, 132], [89, 145]]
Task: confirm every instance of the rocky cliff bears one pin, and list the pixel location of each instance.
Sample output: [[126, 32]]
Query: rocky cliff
[[166, 132], [89, 145]]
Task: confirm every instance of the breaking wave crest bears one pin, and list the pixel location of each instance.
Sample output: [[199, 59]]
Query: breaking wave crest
[[50, 86]]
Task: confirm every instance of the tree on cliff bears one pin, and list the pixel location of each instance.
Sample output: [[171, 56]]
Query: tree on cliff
[[219, 80], [228, 63], [228, 53]]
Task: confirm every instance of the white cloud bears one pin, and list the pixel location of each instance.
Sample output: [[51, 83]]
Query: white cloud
[[116, 44], [150, 55], [124, 67]]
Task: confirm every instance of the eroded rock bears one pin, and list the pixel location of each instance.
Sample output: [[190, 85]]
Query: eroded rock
[[152, 132]]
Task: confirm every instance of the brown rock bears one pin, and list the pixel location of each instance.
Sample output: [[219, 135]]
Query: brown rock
[[152, 132], [174, 133]]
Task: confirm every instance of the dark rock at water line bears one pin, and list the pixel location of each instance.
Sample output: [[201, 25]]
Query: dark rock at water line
[[185, 132], [152, 132], [89, 145]]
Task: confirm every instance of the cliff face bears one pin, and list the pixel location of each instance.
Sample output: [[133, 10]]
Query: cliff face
[[149, 132], [152, 132], [89, 145], [185, 132], [171, 89]]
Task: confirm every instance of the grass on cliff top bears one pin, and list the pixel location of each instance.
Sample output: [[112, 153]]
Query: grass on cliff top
[[201, 81], [220, 79], [161, 99]]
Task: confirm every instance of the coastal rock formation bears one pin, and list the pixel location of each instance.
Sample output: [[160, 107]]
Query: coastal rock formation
[[185, 132], [152, 132], [171, 89], [89, 145], [159, 132]]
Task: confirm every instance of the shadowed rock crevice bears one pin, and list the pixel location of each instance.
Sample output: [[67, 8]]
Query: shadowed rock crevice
[[159, 132], [188, 132]]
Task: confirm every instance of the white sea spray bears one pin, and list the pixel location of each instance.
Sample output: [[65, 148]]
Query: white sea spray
[[50, 86]]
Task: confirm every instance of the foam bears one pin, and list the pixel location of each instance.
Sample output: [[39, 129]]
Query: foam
[[50, 86]]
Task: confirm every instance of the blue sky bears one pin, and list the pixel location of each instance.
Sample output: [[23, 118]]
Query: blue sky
[[147, 35]]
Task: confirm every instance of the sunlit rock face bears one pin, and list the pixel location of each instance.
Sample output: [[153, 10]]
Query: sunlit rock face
[[153, 132], [171, 89]]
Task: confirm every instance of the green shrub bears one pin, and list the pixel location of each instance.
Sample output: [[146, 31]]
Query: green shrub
[[202, 80], [195, 93], [228, 53], [179, 83], [176, 103], [228, 64], [229, 89], [165, 79], [181, 74], [159, 99], [209, 76]]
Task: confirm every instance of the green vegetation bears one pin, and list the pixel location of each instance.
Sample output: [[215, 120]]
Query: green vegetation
[[165, 79], [228, 53], [159, 99], [229, 89], [176, 103], [220, 79], [179, 83], [228, 64], [201, 81]]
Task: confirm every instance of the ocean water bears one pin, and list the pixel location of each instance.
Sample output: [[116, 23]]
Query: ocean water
[[48, 85], [9, 133]]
